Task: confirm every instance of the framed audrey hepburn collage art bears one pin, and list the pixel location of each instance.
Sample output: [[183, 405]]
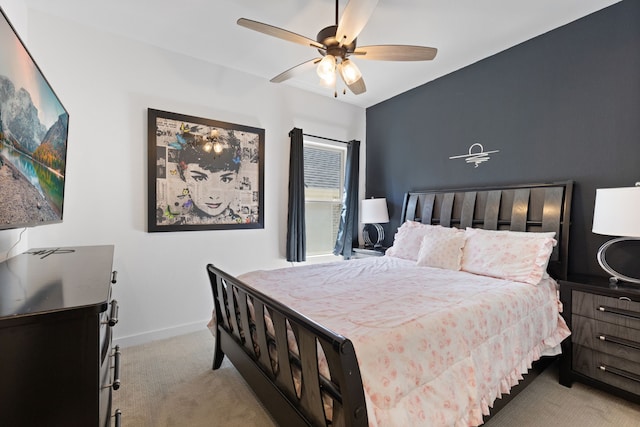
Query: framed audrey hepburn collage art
[[204, 174]]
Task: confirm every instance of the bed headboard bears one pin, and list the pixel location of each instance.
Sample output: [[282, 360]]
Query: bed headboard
[[532, 207]]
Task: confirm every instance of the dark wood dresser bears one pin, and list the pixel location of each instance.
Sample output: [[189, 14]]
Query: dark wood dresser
[[57, 366], [604, 348]]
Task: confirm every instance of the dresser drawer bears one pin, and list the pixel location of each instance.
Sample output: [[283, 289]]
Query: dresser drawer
[[606, 337], [609, 369], [607, 309]]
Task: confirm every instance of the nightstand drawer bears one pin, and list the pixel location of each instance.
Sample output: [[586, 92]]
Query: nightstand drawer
[[608, 369], [606, 338], [608, 309]]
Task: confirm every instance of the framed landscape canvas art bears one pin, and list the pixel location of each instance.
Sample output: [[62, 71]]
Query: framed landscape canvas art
[[33, 138], [204, 174]]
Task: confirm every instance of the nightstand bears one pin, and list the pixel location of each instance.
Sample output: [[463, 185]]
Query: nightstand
[[363, 252], [603, 350]]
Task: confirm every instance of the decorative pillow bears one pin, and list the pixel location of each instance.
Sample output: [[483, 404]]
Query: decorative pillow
[[518, 256], [407, 241], [442, 250]]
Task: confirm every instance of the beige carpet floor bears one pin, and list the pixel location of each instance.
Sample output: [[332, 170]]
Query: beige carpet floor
[[169, 383]]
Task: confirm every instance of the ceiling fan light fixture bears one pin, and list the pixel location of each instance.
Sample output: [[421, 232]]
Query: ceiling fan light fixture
[[327, 68], [349, 71], [329, 80]]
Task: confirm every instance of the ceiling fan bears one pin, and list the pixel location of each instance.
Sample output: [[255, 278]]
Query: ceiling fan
[[336, 43]]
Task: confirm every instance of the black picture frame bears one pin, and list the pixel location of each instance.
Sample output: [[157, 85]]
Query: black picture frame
[[204, 174]]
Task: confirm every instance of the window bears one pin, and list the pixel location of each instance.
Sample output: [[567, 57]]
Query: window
[[324, 166]]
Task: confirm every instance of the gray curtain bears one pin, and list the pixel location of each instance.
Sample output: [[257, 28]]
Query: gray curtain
[[348, 231], [296, 240]]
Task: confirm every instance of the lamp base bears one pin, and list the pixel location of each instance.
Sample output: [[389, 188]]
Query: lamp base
[[368, 243], [615, 276]]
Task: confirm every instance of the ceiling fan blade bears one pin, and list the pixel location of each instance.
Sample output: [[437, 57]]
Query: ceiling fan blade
[[393, 52], [355, 16], [278, 32], [293, 71]]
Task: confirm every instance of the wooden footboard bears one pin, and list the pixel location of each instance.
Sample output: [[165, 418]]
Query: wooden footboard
[[284, 375]]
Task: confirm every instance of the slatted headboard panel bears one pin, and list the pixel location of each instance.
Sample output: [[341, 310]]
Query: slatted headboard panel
[[531, 208]]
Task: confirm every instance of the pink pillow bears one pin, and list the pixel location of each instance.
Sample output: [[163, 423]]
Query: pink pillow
[[407, 241], [442, 250], [517, 256]]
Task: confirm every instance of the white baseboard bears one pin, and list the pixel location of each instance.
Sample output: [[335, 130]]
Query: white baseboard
[[159, 334]]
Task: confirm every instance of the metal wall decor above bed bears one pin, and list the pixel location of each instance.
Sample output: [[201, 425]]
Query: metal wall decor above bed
[[538, 207]]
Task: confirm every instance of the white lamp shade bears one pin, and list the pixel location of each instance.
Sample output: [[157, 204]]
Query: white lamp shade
[[617, 212], [374, 211]]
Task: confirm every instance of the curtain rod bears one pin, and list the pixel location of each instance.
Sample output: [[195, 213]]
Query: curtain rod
[[328, 139]]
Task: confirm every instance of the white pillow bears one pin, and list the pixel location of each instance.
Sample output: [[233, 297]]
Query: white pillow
[[407, 241], [442, 250], [517, 256]]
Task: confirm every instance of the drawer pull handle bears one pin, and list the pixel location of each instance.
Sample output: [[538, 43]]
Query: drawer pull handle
[[620, 312], [624, 299], [116, 368], [113, 317], [114, 277], [619, 341], [621, 373], [118, 416]]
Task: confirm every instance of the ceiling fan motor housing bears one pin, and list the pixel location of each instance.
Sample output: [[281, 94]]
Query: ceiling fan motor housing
[[327, 37]]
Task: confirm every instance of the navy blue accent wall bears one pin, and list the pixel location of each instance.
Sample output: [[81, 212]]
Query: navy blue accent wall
[[564, 105]]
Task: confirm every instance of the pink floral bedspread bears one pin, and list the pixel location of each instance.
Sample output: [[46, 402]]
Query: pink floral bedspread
[[435, 347]]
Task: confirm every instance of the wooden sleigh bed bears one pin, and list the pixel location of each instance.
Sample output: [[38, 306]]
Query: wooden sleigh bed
[[289, 380]]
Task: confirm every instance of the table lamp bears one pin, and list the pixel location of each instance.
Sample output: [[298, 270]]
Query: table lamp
[[617, 213], [374, 213]]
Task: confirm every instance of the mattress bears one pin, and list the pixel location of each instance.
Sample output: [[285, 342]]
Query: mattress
[[434, 346]]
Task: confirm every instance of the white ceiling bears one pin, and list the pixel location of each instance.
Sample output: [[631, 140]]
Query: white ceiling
[[464, 31]]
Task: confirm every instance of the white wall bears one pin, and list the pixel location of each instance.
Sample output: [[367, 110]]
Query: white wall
[[16, 10], [107, 83]]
